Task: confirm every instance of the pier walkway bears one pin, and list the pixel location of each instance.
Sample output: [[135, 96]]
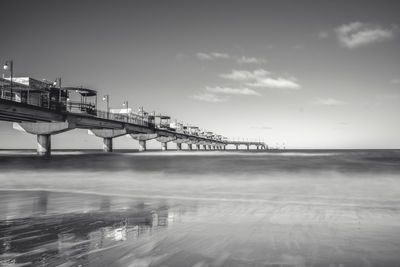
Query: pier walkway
[[45, 109]]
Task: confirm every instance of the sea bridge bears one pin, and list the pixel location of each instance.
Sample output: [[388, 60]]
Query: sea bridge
[[46, 108]]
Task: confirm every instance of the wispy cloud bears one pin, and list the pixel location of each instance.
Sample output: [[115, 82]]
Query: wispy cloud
[[356, 34], [261, 78], [250, 60], [213, 94], [238, 59], [279, 82], [212, 56], [329, 102], [245, 75], [232, 91], [208, 97]]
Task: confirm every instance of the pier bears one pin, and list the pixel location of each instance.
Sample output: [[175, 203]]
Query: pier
[[45, 108]]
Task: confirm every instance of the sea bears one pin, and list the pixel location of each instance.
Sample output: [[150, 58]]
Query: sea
[[331, 208]]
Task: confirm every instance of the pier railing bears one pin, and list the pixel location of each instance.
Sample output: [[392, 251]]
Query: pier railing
[[79, 108]]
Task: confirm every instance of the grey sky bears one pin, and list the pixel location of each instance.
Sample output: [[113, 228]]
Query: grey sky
[[311, 74]]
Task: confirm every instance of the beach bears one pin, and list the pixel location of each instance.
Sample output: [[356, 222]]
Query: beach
[[283, 208]]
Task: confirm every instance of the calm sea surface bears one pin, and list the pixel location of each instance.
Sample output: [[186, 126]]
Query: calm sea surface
[[290, 208]]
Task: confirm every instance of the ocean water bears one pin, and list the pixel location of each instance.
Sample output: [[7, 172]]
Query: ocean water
[[279, 208]]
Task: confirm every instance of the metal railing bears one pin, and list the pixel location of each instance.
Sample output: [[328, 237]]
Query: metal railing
[[43, 101], [128, 118], [77, 107]]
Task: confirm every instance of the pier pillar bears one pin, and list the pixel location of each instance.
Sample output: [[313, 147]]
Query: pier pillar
[[198, 147], [204, 147], [237, 147], [190, 147], [209, 147], [142, 145], [164, 140], [107, 144], [143, 138], [164, 146], [248, 147], [108, 135], [178, 146], [43, 131], [44, 144]]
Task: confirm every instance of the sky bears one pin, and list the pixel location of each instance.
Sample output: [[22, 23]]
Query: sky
[[296, 74]]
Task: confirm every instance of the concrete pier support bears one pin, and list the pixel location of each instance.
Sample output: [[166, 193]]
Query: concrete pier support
[[209, 147], [108, 135], [143, 138], [142, 145], [237, 147], [190, 147], [43, 131], [164, 146], [178, 146], [107, 144], [204, 147], [198, 147], [164, 140], [44, 144], [248, 147]]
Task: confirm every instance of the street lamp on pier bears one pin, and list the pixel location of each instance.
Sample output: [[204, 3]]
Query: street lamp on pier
[[57, 83], [125, 104], [9, 66], [106, 98]]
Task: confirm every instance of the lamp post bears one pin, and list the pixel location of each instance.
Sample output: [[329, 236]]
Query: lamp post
[[125, 104], [9, 66], [107, 99], [57, 83]]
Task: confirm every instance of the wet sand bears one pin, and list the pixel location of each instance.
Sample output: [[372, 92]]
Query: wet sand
[[321, 209]]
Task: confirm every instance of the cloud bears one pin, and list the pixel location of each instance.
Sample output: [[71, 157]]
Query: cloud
[[232, 91], [208, 97], [329, 102], [261, 78], [244, 75], [275, 83], [356, 34], [212, 56], [250, 60], [238, 59]]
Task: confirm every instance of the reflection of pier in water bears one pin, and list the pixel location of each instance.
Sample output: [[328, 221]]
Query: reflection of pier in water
[[47, 236]]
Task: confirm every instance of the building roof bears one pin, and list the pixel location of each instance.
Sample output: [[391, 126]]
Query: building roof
[[82, 91]]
